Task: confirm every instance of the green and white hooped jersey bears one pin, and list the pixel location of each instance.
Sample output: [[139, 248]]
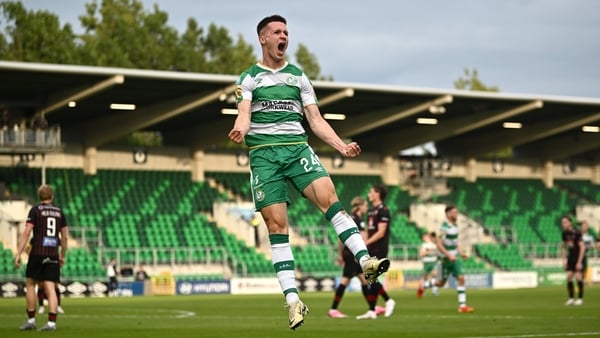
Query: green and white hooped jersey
[[278, 98], [450, 237], [431, 250], [588, 242]]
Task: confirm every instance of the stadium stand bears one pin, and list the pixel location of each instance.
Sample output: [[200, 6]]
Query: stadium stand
[[6, 262], [506, 257], [83, 265], [525, 207], [583, 189], [159, 217]]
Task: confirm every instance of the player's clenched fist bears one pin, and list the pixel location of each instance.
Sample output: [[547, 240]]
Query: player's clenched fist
[[352, 150], [236, 135]]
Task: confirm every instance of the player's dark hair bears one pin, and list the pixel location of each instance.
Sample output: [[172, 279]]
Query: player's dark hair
[[381, 190], [567, 217], [449, 207], [264, 22]]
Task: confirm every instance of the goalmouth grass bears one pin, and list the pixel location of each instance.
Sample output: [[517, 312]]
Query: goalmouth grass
[[518, 313]]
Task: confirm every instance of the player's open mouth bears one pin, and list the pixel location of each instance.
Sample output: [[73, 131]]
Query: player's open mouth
[[281, 47]]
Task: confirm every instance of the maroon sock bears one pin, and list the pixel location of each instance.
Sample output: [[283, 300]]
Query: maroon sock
[[372, 299], [51, 317], [365, 291], [381, 291], [30, 313], [337, 298]]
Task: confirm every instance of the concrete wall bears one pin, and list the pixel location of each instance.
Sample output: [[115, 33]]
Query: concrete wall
[[366, 164]]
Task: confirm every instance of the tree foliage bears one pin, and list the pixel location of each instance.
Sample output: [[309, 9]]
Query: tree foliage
[[121, 33], [471, 81], [35, 36]]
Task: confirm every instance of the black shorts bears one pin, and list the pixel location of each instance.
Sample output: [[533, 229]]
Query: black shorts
[[351, 266], [43, 268], [572, 264]]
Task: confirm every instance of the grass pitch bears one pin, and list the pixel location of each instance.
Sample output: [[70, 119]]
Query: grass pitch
[[498, 313]]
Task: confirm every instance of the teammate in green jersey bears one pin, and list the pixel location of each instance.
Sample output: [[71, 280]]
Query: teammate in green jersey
[[429, 257], [450, 254], [273, 97]]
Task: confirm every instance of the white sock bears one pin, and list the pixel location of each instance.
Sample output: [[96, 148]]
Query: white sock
[[462, 295], [291, 297], [283, 262], [347, 231]]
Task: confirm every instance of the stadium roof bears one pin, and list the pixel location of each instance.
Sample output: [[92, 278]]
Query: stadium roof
[[187, 109]]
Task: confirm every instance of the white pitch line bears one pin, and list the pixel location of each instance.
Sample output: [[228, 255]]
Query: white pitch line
[[177, 314], [544, 335], [484, 316]]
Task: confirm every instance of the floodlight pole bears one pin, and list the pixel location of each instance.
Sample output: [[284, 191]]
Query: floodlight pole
[[43, 168]]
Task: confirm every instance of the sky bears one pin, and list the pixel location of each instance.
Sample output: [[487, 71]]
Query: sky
[[538, 47]]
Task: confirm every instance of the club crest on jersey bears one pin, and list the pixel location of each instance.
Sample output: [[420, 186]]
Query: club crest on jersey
[[259, 194], [291, 80]]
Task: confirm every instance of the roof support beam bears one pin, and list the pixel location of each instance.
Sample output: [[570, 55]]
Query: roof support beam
[[81, 94], [456, 126], [121, 125], [489, 142], [342, 94], [562, 147], [378, 119], [500, 117]]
